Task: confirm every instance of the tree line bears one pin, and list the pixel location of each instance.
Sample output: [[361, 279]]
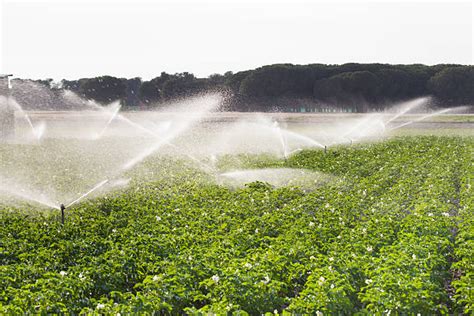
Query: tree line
[[280, 87]]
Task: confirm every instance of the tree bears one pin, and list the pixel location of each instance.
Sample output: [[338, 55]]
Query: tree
[[282, 80], [104, 89], [181, 85], [454, 85], [151, 91], [132, 91], [350, 88], [394, 84]]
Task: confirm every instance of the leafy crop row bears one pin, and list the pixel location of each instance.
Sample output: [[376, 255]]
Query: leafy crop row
[[392, 234]]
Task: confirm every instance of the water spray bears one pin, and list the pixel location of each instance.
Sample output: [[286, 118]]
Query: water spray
[[63, 207]]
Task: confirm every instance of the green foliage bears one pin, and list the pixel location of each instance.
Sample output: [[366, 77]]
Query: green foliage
[[362, 86], [454, 84], [105, 89], [283, 87], [394, 233]]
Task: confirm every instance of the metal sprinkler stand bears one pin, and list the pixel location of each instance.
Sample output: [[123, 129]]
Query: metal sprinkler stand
[[7, 113], [62, 207]]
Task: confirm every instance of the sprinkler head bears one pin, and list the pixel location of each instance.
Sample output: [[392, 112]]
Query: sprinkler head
[[62, 207]]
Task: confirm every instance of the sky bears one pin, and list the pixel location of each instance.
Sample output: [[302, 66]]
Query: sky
[[75, 39]]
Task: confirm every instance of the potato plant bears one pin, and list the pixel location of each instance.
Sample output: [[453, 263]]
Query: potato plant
[[393, 233]]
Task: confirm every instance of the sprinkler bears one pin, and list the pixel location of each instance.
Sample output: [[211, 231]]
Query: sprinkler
[[7, 113], [325, 149], [62, 207]]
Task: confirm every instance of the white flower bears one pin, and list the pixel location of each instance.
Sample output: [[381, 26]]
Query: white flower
[[312, 258], [114, 230], [430, 214], [445, 214], [413, 256], [369, 248], [332, 285], [63, 273], [156, 278], [318, 313], [158, 218], [256, 230], [275, 311], [248, 265], [327, 205], [215, 278], [321, 281], [311, 224], [368, 281], [266, 280], [100, 306], [331, 259]]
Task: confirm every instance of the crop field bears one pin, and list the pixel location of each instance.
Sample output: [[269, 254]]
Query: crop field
[[390, 231]]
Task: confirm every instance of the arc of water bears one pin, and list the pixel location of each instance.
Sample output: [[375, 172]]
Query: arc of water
[[409, 107], [283, 142], [304, 138], [132, 162], [136, 125], [421, 118], [361, 124], [96, 187], [32, 199], [117, 115], [283, 137], [112, 117], [36, 133], [10, 189]]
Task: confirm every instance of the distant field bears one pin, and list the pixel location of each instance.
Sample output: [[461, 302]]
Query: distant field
[[446, 124], [286, 117]]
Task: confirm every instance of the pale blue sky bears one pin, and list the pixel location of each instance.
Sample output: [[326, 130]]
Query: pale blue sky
[[73, 39]]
